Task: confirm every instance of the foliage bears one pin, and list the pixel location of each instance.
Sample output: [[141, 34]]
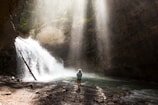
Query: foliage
[[24, 24]]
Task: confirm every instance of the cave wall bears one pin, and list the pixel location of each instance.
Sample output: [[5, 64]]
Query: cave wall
[[134, 32], [133, 28], [9, 9]]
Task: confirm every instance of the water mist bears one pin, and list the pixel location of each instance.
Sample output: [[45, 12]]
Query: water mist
[[102, 33], [50, 19], [77, 29]]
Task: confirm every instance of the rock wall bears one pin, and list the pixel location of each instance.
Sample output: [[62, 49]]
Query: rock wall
[[134, 33], [9, 9], [133, 28]]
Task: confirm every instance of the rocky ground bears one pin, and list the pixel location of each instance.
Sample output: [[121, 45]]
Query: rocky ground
[[15, 92]]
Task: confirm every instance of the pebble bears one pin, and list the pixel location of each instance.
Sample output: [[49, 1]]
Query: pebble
[[63, 90], [110, 103], [66, 94], [99, 100], [37, 92]]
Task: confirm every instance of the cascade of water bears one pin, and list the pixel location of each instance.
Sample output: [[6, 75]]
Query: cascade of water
[[42, 64]]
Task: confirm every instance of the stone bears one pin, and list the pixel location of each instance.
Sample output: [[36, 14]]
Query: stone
[[110, 103], [63, 90], [7, 93], [37, 92], [13, 78], [19, 80], [116, 95], [98, 100]]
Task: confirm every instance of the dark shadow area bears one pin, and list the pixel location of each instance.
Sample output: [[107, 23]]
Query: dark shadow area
[[89, 94], [90, 49], [57, 94]]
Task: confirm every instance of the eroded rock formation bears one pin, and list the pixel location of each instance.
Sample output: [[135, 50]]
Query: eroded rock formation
[[134, 35], [9, 9]]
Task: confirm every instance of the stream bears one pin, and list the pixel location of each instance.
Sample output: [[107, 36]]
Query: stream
[[137, 91]]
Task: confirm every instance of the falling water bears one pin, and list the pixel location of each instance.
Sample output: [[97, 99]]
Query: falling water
[[50, 19], [102, 30], [42, 64]]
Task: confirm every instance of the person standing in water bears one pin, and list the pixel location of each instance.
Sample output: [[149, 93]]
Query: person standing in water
[[79, 77]]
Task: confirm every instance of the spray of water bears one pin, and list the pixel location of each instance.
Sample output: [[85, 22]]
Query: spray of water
[[42, 64], [50, 18], [51, 11]]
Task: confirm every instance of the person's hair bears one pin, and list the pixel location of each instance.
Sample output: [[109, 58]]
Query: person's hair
[[79, 70]]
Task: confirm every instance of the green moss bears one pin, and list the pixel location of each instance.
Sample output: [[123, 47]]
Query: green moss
[[24, 25]]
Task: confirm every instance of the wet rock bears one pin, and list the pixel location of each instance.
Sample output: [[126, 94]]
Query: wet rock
[[115, 100], [110, 103], [49, 96], [117, 95], [37, 92], [98, 100], [109, 100], [128, 93], [31, 86], [63, 90], [121, 102], [7, 93], [19, 80], [12, 78]]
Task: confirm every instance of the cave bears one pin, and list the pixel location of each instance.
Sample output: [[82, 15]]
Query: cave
[[107, 38]]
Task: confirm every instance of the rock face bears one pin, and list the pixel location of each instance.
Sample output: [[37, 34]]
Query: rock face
[[134, 34], [9, 9]]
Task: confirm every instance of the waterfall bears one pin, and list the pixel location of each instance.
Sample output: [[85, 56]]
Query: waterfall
[[54, 18], [44, 66], [56, 22]]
